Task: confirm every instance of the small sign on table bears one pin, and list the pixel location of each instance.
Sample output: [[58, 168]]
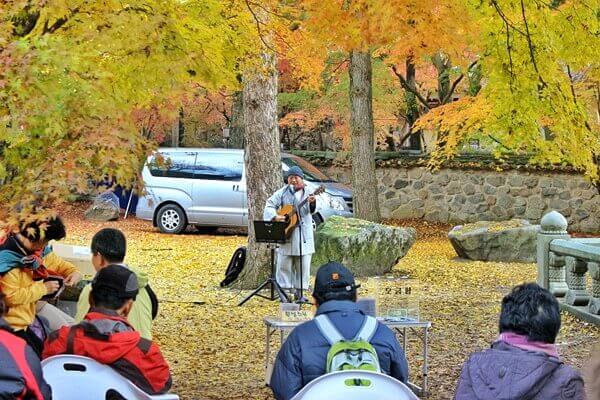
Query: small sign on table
[[291, 312]]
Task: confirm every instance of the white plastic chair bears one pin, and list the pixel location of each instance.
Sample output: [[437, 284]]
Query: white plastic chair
[[333, 386], [76, 377]]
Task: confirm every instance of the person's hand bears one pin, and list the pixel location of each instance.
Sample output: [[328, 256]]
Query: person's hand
[[51, 286], [279, 218], [312, 199], [73, 278]]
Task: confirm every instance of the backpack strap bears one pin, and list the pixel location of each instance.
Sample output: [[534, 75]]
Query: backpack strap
[[367, 331], [327, 329], [153, 300]]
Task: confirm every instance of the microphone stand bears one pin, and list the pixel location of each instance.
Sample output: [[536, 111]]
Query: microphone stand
[[301, 259]]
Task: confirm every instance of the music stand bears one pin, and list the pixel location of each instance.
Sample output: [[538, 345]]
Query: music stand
[[272, 233]]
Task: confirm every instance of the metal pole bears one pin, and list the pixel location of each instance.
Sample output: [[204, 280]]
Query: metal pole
[[425, 363], [128, 203]]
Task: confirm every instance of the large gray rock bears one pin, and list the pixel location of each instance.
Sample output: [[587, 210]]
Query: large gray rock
[[104, 208], [510, 241], [367, 248]]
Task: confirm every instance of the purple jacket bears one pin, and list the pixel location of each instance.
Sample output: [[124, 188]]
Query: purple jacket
[[505, 372]]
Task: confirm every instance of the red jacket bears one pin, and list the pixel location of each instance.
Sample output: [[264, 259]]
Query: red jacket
[[109, 339], [21, 376]]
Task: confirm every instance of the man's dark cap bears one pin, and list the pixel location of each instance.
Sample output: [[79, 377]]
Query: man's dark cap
[[117, 279], [294, 171], [334, 277]]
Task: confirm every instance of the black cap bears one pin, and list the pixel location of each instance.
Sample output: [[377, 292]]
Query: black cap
[[333, 277], [118, 279]]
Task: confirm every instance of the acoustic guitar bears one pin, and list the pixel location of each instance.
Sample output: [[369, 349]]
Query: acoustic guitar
[[289, 212]]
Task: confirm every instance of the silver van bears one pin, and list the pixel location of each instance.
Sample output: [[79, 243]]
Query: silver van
[[207, 188]]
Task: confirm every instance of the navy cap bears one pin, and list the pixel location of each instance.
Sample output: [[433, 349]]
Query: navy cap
[[118, 279], [294, 171], [333, 277]]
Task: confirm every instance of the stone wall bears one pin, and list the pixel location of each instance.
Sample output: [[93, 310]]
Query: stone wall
[[457, 196]]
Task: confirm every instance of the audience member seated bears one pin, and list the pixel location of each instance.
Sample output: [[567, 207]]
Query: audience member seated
[[106, 336], [303, 356], [109, 247], [21, 376], [523, 363], [26, 261]]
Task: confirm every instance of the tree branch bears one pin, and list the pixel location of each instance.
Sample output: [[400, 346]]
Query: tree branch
[[407, 87], [530, 46], [340, 65], [497, 141], [265, 9], [59, 23], [571, 84], [505, 18], [456, 82], [510, 60], [258, 27]]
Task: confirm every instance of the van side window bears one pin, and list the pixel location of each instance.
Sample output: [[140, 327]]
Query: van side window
[[173, 165], [218, 166]]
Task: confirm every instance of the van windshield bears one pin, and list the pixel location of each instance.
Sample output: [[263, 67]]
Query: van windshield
[[311, 173]]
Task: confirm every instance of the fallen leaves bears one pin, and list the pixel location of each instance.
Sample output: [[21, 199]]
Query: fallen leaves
[[216, 349]]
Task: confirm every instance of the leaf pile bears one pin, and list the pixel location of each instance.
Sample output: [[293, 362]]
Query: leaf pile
[[216, 349]]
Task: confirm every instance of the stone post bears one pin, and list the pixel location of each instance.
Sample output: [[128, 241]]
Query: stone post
[[577, 294], [556, 275], [594, 271], [552, 226]]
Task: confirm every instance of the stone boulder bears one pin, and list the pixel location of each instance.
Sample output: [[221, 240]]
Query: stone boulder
[[105, 208], [509, 241], [367, 248]]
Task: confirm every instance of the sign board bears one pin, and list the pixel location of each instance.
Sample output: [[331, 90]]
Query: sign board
[[291, 312]]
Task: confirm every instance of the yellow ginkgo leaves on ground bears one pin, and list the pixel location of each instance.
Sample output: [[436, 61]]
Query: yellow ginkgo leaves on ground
[[216, 349]]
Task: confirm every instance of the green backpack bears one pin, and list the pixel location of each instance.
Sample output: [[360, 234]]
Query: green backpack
[[357, 353]]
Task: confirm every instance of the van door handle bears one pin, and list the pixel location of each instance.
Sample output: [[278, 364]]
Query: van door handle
[[235, 188]]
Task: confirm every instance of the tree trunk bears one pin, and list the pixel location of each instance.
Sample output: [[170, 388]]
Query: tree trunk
[[443, 65], [181, 128], [262, 160], [474, 74], [175, 133], [412, 107], [364, 181], [236, 140]]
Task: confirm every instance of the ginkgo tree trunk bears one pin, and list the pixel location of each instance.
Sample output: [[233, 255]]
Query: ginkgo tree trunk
[[262, 160], [364, 180]]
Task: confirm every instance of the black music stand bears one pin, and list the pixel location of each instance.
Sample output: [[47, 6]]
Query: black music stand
[[272, 233]]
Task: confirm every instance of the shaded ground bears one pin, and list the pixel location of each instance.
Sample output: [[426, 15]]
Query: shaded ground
[[216, 350]]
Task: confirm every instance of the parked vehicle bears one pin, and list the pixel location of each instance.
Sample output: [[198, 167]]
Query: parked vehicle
[[207, 188]]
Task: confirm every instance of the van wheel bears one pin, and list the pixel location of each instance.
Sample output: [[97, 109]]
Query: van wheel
[[317, 220], [171, 219]]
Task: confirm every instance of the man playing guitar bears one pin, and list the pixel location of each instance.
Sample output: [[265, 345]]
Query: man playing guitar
[[293, 257]]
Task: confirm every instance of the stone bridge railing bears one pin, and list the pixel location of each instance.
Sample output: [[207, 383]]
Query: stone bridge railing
[[564, 264]]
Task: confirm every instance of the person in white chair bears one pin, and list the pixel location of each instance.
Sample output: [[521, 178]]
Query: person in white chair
[[106, 336], [303, 356]]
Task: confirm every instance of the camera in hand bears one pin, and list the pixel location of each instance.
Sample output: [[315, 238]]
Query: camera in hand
[[61, 286]]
